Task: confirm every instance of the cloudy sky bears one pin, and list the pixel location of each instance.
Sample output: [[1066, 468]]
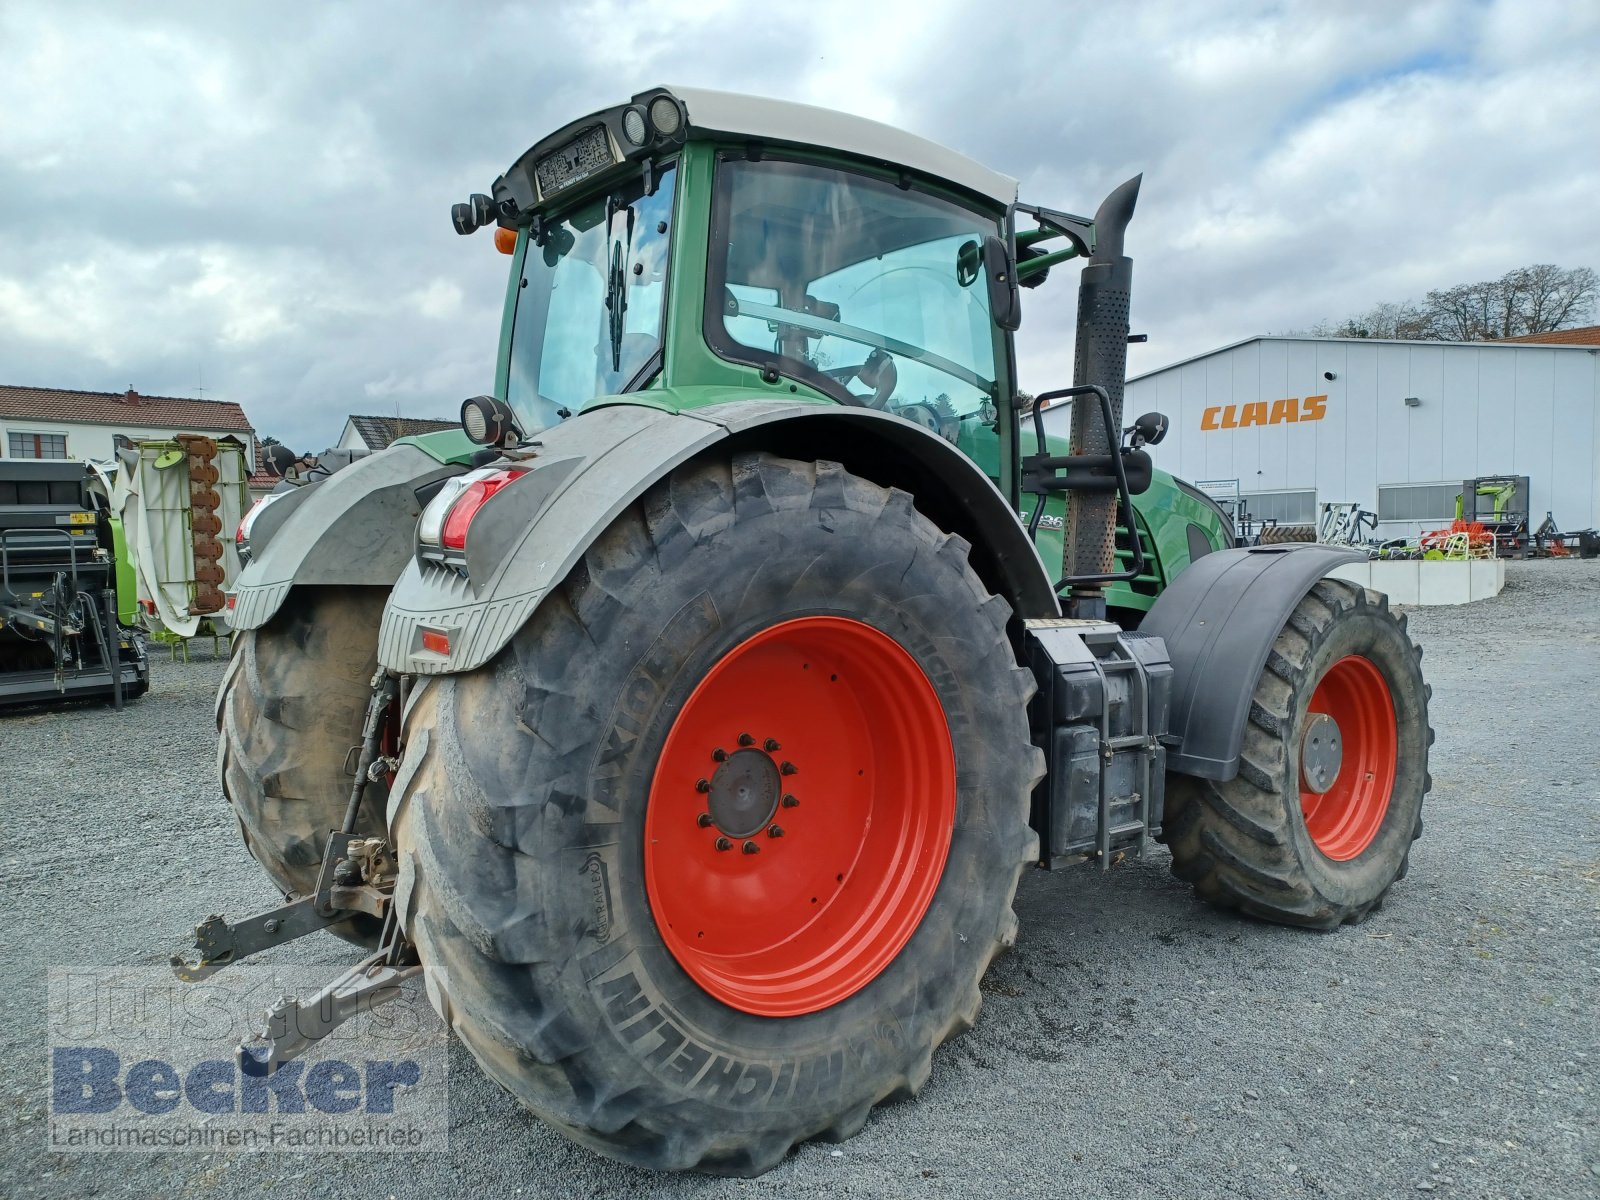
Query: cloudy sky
[[257, 196]]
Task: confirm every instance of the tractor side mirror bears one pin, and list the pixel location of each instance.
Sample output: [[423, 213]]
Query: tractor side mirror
[[1147, 430], [1005, 301]]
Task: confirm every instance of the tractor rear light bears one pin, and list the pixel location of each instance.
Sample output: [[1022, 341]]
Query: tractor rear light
[[436, 641], [445, 520], [473, 497]]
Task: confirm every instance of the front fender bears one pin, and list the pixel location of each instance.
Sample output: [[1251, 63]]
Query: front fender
[[1219, 620], [587, 470], [355, 528]]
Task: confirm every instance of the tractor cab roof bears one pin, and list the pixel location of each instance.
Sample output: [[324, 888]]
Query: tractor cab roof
[[782, 122], [604, 142]]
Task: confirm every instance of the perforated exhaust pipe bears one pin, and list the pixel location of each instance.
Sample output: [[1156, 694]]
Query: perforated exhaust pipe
[[1101, 358]]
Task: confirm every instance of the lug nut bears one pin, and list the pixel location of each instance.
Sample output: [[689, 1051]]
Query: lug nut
[[724, 844], [789, 768], [719, 755], [703, 820], [751, 848], [746, 740], [774, 830], [791, 802], [771, 746], [702, 785]]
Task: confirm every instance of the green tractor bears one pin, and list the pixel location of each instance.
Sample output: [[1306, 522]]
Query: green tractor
[[709, 691]]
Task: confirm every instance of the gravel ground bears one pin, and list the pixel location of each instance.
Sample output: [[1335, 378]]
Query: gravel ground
[[1134, 1041]]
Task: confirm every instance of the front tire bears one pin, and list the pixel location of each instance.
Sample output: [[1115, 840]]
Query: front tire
[[560, 810], [1287, 839]]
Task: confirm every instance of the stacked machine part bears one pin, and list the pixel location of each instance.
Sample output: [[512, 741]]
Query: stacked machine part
[[205, 523]]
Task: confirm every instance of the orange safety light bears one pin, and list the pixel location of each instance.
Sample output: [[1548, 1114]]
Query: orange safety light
[[505, 240]]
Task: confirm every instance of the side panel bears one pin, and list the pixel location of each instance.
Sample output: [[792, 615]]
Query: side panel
[[589, 469], [357, 527], [1219, 620]]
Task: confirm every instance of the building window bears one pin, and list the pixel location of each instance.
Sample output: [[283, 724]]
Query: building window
[[1418, 502], [1286, 508], [38, 445]]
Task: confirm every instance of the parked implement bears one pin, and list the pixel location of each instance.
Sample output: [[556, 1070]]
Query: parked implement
[[66, 589], [748, 642]]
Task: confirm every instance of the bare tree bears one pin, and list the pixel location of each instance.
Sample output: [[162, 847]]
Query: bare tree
[[1534, 299], [1389, 320], [1548, 298]]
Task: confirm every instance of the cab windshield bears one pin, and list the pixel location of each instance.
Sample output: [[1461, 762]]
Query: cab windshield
[[589, 309], [869, 291]]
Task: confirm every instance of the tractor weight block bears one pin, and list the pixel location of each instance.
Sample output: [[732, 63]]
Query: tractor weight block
[[202, 473], [1100, 712], [206, 524]]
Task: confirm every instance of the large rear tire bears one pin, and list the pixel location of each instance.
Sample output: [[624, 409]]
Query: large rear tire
[[1290, 838], [716, 851], [292, 703]]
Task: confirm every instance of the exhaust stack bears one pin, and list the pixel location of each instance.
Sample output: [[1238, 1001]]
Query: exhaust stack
[[1101, 358]]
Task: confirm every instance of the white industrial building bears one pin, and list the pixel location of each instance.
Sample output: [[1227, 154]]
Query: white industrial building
[[1395, 426]]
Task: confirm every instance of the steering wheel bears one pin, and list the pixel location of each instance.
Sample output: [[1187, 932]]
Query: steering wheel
[[879, 373]]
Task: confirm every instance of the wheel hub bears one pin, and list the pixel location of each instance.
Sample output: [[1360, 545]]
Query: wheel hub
[[744, 794], [1321, 753]]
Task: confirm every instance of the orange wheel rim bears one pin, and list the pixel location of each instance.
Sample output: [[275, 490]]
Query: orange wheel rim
[[800, 816], [1343, 814]]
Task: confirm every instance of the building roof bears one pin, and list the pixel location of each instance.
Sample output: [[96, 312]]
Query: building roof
[[1502, 344], [1586, 335], [378, 432], [121, 408], [781, 121]]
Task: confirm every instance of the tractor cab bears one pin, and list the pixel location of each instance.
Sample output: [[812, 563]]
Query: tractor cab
[[690, 242]]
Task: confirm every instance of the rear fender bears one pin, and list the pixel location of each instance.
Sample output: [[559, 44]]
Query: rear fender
[[586, 471], [1219, 620], [355, 528]]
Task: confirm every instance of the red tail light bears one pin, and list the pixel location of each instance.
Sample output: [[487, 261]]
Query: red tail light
[[472, 498]]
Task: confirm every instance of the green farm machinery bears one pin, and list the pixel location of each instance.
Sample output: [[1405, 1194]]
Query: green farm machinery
[[707, 693]]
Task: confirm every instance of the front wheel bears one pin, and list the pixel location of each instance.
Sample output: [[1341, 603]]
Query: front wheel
[[716, 851], [1318, 823]]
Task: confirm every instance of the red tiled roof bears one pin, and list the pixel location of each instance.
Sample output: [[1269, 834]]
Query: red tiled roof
[[1588, 335], [122, 408]]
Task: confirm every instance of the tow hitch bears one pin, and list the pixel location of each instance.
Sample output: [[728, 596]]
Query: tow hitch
[[357, 877]]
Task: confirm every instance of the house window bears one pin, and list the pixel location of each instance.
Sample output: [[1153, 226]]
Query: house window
[[1418, 502], [38, 445], [1286, 508]]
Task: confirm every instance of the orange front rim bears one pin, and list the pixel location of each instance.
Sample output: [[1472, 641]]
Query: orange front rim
[[800, 816], [1344, 817]]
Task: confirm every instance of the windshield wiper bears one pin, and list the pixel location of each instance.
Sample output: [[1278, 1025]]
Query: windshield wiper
[[617, 281]]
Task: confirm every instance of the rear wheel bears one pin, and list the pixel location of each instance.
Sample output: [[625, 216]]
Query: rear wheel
[[718, 849], [1319, 821], [1274, 535], [292, 704]]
